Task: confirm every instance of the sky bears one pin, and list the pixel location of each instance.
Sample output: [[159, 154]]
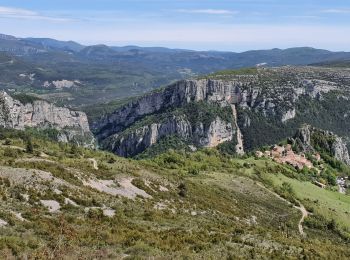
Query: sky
[[225, 25]]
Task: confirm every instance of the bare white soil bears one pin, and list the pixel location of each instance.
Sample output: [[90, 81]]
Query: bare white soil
[[51, 205], [125, 188], [3, 223]]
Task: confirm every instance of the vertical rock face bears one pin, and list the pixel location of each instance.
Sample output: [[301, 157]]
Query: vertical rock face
[[115, 134], [41, 114], [309, 139], [303, 135], [267, 105], [174, 96], [131, 143], [239, 146], [290, 114], [234, 93], [245, 92], [340, 151], [218, 132]]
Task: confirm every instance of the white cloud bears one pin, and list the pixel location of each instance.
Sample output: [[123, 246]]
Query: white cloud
[[336, 11], [207, 11], [10, 12]]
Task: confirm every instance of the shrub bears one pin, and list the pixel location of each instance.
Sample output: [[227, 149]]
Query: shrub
[[95, 213], [287, 188], [193, 171], [182, 190], [29, 146], [7, 141], [111, 160], [8, 152]]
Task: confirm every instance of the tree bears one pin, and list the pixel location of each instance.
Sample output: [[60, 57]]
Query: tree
[[74, 149], [29, 146], [287, 188], [111, 160]]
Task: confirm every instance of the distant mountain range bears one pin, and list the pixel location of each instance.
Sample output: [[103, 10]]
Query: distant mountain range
[[249, 163], [39, 65], [274, 57]]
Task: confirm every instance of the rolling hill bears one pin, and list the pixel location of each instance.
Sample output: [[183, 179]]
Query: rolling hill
[[121, 72]]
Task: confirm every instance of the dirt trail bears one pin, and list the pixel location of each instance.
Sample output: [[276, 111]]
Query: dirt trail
[[304, 213], [94, 163], [301, 221]]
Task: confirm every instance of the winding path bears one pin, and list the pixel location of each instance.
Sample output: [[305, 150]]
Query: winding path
[[301, 221], [304, 212]]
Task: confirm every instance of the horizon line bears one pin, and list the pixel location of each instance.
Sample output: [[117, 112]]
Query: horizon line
[[86, 44]]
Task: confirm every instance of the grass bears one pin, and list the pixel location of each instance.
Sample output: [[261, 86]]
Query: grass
[[213, 209], [226, 74], [25, 98], [244, 71], [329, 204]]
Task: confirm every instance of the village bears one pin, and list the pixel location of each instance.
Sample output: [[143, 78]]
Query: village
[[286, 155]]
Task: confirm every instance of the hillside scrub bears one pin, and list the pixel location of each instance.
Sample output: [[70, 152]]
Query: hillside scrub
[[204, 204]]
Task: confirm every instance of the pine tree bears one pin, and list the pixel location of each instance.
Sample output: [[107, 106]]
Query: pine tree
[[29, 146]]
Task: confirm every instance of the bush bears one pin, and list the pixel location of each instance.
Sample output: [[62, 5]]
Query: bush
[[287, 188], [95, 213], [182, 190], [29, 146], [228, 148], [193, 171], [8, 152], [111, 160], [7, 142]]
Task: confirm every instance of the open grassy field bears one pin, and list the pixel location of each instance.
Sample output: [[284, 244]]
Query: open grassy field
[[330, 204]]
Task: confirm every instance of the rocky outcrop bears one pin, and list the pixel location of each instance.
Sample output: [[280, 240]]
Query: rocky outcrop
[[340, 150], [246, 92], [60, 84], [303, 138], [310, 139], [132, 142], [239, 146], [290, 114], [41, 114], [174, 96], [226, 93], [315, 88], [269, 98]]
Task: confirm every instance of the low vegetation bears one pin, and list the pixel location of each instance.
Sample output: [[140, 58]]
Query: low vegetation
[[203, 204]]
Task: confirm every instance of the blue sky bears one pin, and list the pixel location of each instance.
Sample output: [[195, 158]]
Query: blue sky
[[234, 25]]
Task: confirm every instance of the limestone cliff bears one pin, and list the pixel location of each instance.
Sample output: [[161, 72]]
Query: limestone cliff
[[174, 96], [132, 142], [266, 106], [310, 139], [73, 125], [114, 133]]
